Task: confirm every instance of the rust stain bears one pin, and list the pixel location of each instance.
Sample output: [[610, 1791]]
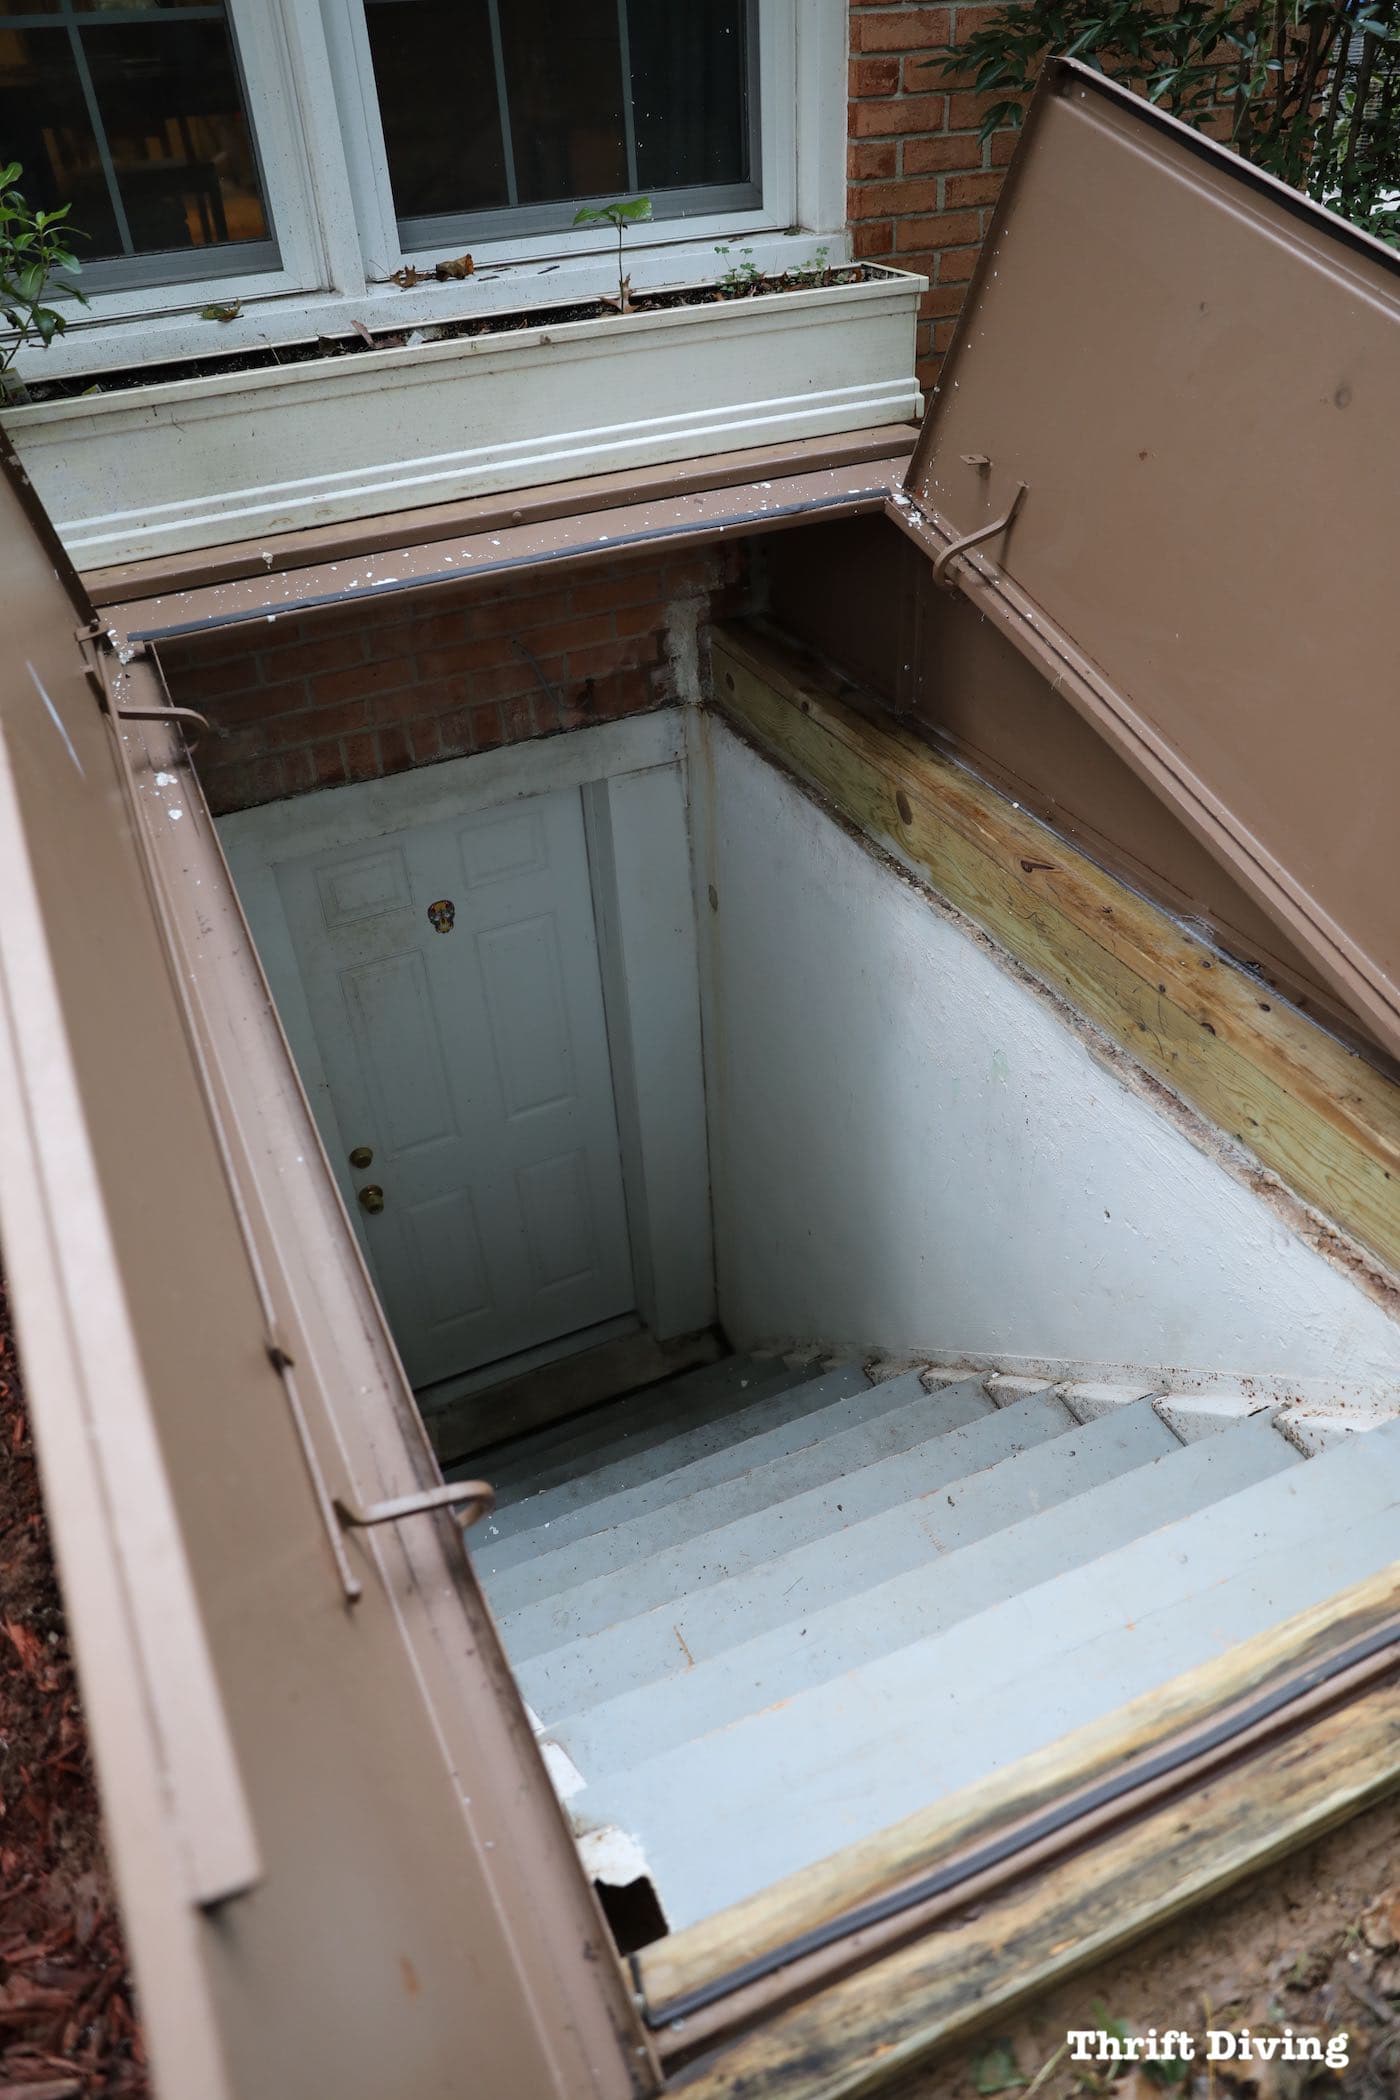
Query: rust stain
[[410, 1976], [689, 1658]]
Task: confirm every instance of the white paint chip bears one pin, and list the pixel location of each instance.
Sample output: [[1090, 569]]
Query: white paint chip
[[613, 1856]]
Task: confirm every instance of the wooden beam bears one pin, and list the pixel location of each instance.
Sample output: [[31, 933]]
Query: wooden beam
[[1005, 1799], [868, 2030], [1316, 1113]]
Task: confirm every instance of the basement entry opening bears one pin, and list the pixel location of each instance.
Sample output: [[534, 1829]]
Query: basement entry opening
[[923, 1301], [1015, 1403], [1008, 1393]]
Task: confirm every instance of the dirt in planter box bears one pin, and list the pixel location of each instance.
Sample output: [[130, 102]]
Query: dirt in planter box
[[68, 2025], [355, 341]]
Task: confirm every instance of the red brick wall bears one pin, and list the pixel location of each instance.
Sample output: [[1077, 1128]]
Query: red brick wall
[[353, 694], [921, 181]]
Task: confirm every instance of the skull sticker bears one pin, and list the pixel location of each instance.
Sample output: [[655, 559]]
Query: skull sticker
[[442, 915]]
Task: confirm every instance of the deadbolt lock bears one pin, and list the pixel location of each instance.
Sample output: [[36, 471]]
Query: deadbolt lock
[[360, 1158], [372, 1198]]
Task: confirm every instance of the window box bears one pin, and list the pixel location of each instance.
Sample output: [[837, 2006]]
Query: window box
[[192, 463]]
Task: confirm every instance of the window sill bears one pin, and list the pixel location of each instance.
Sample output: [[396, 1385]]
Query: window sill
[[126, 331], [197, 463]]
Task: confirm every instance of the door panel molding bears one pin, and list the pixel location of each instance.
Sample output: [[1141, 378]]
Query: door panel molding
[[635, 814]]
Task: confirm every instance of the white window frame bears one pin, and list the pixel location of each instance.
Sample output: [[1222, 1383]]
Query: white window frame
[[313, 107], [300, 153], [348, 37]]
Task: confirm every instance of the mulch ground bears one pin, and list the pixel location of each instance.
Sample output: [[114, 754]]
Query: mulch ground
[[68, 2026]]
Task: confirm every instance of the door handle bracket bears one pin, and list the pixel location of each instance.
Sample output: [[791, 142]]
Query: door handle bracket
[[477, 1494], [974, 539]]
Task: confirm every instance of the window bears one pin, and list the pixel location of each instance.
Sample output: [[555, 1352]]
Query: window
[[290, 162], [133, 112], [504, 115]]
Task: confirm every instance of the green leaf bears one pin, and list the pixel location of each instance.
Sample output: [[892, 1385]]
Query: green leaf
[[1171, 2072], [997, 2071], [624, 211]]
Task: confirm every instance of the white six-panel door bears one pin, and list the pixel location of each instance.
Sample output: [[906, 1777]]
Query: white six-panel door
[[451, 975]]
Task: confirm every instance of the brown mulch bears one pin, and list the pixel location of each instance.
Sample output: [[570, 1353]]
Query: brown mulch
[[68, 2025]]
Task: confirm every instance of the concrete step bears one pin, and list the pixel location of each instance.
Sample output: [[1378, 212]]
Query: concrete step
[[849, 1425], [798, 1465], [1096, 1516], [832, 1765], [635, 1421], [545, 1604]]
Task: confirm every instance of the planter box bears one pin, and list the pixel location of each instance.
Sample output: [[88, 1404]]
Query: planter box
[[200, 462]]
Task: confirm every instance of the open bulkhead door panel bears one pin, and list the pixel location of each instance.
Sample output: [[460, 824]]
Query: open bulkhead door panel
[[341, 1865], [1178, 380]]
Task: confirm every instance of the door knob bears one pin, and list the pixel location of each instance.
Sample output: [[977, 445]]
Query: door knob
[[372, 1198], [360, 1158]]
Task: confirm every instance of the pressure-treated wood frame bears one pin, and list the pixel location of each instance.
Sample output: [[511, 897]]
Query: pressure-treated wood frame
[[1312, 1110], [947, 1966]]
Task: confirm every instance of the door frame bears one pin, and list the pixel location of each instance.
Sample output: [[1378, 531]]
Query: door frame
[[632, 777]]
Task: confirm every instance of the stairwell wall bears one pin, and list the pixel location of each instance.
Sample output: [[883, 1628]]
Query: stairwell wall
[[913, 1149]]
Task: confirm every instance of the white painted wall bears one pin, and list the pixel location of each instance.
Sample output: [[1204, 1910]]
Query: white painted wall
[[910, 1150]]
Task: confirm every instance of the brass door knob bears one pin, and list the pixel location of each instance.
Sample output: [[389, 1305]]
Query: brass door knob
[[361, 1158], [372, 1198]]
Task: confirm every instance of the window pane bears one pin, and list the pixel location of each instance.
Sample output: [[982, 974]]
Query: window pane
[[45, 126], [564, 77], [689, 92], [533, 106], [436, 77], [139, 124], [169, 98]]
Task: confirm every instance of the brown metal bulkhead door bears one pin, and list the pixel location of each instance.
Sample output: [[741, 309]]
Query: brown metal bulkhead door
[[341, 1866], [1194, 372]]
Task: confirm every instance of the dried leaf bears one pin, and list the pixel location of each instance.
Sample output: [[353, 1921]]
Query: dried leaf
[[1380, 1925], [26, 1644]]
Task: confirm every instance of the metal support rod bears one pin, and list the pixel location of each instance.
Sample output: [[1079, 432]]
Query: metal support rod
[[164, 714], [161, 714], [974, 539], [478, 1493]]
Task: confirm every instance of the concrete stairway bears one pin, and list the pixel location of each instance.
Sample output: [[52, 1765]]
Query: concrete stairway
[[767, 1608]]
